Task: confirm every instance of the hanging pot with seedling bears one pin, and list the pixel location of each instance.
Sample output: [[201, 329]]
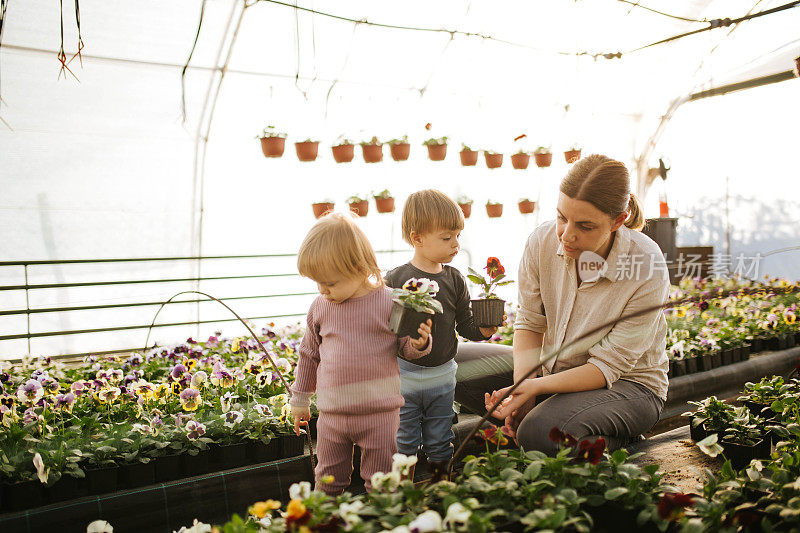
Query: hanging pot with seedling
[[384, 201], [343, 151], [493, 159], [437, 148], [399, 148], [526, 207], [573, 154], [372, 150], [358, 205], [543, 156], [494, 209], [307, 150], [321, 208], [469, 157], [273, 142], [465, 203], [520, 160]]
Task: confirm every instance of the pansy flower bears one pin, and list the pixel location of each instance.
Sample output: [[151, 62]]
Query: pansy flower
[[262, 409], [671, 507], [50, 385], [591, 452], [231, 418], [563, 438], [194, 429], [177, 372], [296, 514], [108, 394], [494, 268], [199, 379], [226, 401], [265, 508], [457, 516], [221, 376], [264, 379], [41, 472], [31, 392], [190, 399], [416, 285], [65, 401], [283, 364]]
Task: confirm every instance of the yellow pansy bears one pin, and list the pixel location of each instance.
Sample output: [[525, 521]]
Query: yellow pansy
[[260, 509]]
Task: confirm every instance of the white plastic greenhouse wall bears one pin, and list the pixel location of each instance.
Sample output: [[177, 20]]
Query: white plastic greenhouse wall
[[102, 164]]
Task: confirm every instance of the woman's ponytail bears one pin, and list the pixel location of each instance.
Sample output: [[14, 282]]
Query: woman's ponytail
[[635, 220]]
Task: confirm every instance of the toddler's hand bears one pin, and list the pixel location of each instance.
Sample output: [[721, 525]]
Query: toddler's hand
[[424, 334], [301, 416]]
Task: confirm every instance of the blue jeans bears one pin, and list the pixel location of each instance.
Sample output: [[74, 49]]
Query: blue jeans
[[427, 416]]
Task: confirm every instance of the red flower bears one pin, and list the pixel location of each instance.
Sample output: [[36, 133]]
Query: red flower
[[672, 504], [565, 439], [494, 268], [518, 137], [495, 437], [428, 126], [591, 452]]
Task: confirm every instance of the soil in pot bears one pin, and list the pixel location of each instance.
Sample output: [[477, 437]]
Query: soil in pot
[[469, 158], [526, 207], [494, 210], [488, 313], [437, 152], [405, 321], [321, 208], [372, 153], [384, 205], [273, 146], [520, 161], [400, 151], [307, 151], [466, 209], [543, 160], [493, 160], [360, 208], [343, 153]]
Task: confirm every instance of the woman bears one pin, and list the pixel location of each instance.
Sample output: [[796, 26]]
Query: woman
[[588, 267]]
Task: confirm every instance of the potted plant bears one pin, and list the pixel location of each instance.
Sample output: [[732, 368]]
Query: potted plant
[[494, 209], [399, 148], [358, 205], [488, 308], [543, 156], [469, 157], [414, 304], [323, 207], [437, 148], [343, 150], [493, 159], [465, 203], [372, 150], [384, 201], [307, 150], [273, 142], [526, 206], [521, 160], [573, 154]]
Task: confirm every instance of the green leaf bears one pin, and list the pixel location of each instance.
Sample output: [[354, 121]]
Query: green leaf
[[616, 492]]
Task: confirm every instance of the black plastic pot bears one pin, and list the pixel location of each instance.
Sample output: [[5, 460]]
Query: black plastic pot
[[791, 341], [760, 409], [63, 489], [757, 345], [678, 367], [229, 456], [691, 365], [746, 349], [194, 465], [727, 356], [704, 362], [698, 433], [405, 321], [258, 452], [168, 468], [611, 517], [137, 475], [741, 455], [292, 445], [716, 359], [488, 313], [102, 480], [21, 496]]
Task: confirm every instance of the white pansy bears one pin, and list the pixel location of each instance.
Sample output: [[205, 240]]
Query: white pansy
[[300, 491], [198, 379], [197, 527], [402, 463], [386, 482], [41, 472], [349, 513], [457, 515], [433, 287], [99, 526], [427, 521]]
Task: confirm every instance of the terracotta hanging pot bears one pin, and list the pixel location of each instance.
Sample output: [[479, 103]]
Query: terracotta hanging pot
[[543, 160], [572, 155], [520, 161], [273, 146], [384, 205], [469, 158], [400, 151], [307, 150], [373, 153], [343, 153], [360, 208], [320, 208], [493, 160], [466, 209], [526, 207], [494, 210], [437, 152]]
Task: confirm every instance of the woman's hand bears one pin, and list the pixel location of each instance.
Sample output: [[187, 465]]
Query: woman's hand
[[424, 334], [521, 401]]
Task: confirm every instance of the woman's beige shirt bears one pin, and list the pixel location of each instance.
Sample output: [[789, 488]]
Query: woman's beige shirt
[[552, 302]]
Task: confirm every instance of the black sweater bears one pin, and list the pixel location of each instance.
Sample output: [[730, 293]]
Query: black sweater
[[456, 315]]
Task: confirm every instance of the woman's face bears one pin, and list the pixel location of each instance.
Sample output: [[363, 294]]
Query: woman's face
[[582, 227]]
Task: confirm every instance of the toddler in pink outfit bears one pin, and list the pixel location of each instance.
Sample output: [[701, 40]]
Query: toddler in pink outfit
[[348, 355]]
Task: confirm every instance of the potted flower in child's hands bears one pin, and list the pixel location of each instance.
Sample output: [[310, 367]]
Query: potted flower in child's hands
[[488, 308], [414, 304]]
